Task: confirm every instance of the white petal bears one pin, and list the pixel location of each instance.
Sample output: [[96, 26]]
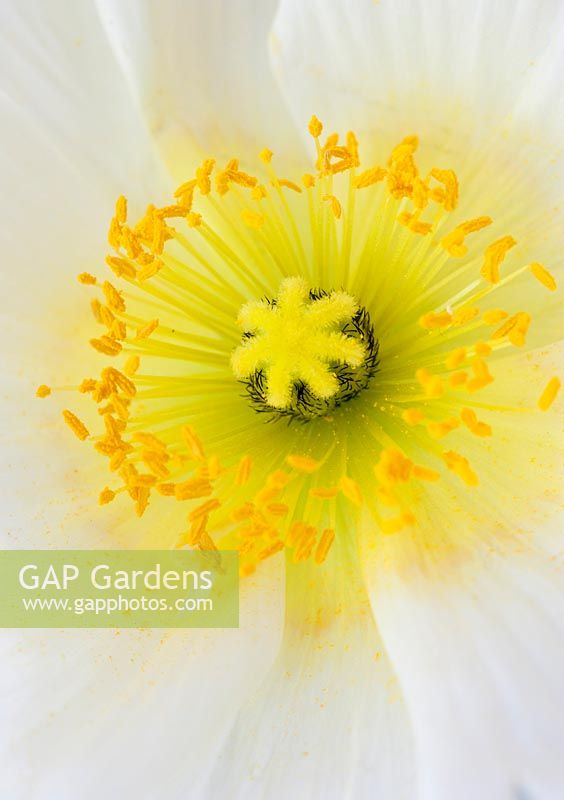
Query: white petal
[[328, 721], [129, 714], [479, 655], [202, 70], [393, 64], [72, 142]]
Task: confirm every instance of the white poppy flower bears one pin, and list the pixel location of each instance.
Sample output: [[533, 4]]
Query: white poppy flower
[[393, 293]]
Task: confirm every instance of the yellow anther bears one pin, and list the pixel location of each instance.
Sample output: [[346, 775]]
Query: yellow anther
[[96, 307], [412, 222], [43, 391], [453, 242], [393, 467], [370, 176], [494, 316], [482, 349], [324, 545], [549, 393], [150, 270], [121, 209], [493, 257], [515, 328], [285, 183], [351, 490], [271, 550], [543, 276], [106, 496], [149, 440], [402, 170], [178, 210], [118, 330], [464, 315], [113, 297], [193, 489], [440, 429], [482, 376], [305, 544], [315, 127], [258, 192], [120, 267], [142, 500], [77, 427], [87, 279], [203, 174], [413, 416], [434, 321], [107, 346], [461, 467], [396, 524], [458, 379], [131, 365], [303, 463], [185, 192], [87, 385], [265, 155], [456, 358], [425, 474], [471, 421], [295, 340], [335, 205], [431, 384], [114, 234], [252, 219], [450, 182], [166, 489], [204, 509], [146, 330], [352, 147], [193, 219]]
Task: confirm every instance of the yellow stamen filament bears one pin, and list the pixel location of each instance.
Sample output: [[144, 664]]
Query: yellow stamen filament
[[243, 471], [303, 463]]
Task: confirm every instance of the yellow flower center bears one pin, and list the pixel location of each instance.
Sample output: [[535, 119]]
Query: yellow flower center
[[175, 423], [304, 352]]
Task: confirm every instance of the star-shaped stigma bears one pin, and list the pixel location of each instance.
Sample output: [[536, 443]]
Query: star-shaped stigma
[[295, 339]]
